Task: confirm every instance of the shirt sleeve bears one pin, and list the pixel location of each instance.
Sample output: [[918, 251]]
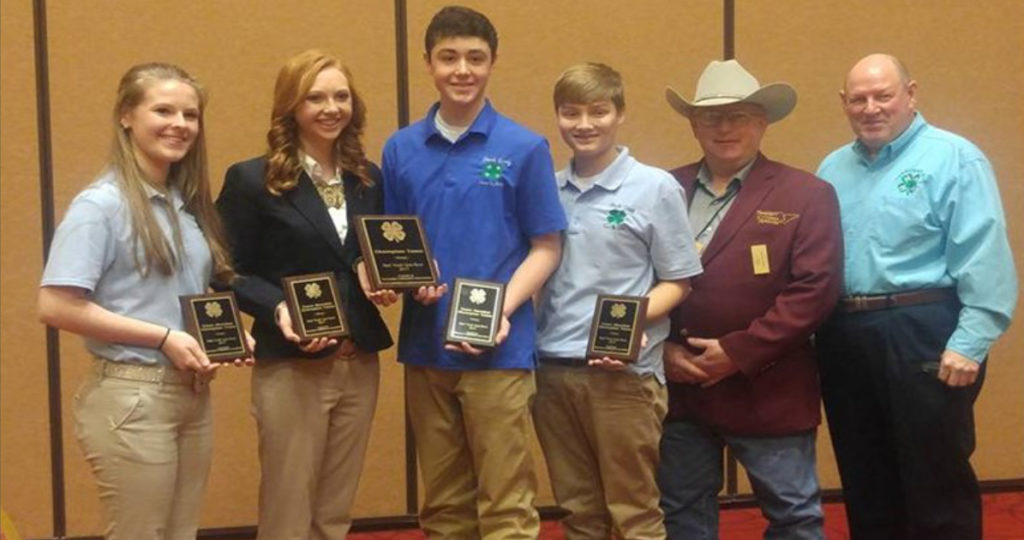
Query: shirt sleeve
[[82, 248], [538, 208], [672, 247], [978, 257]]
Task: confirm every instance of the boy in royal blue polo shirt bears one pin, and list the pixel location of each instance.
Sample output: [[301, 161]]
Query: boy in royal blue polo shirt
[[599, 421], [485, 191]]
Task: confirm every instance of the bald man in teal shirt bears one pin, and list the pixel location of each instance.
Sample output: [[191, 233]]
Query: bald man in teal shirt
[[930, 285]]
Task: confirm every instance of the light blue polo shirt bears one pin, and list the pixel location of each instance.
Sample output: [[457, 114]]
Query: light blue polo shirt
[[627, 231], [925, 212], [92, 250], [480, 199]]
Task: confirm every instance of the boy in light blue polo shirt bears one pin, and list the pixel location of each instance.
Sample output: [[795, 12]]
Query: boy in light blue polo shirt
[[598, 420], [485, 191]]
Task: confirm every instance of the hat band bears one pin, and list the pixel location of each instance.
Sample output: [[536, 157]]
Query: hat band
[[720, 96]]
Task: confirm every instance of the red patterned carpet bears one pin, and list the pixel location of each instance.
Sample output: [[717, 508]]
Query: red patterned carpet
[[1004, 520]]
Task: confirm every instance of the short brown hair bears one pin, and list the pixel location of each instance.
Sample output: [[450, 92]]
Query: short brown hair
[[460, 21], [589, 82]]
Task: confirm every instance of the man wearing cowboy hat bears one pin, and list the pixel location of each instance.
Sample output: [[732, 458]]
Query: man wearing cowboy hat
[[739, 356], [932, 287]]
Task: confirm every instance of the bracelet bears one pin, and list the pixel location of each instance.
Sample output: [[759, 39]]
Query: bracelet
[[160, 347]]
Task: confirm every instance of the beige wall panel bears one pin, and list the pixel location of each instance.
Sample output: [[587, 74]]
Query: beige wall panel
[[651, 43], [236, 48], [24, 440], [966, 59]]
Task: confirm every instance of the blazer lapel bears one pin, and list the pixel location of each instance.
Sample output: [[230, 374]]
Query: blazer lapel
[[755, 188], [307, 201]]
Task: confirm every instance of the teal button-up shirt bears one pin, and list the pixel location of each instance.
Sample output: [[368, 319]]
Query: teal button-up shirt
[[925, 212]]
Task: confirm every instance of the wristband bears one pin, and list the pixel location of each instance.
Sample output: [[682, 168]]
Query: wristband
[[160, 347]]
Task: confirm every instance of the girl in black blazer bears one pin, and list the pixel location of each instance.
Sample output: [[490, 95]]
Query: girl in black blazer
[[290, 212]]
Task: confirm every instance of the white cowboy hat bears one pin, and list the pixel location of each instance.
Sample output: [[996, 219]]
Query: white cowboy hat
[[727, 82]]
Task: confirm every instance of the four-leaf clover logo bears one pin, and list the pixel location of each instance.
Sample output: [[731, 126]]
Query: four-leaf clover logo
[[616, 217], [313, 290], [908, 181], [477, 296], [492, 170], [213, 310], [618, 311], [393, 231]]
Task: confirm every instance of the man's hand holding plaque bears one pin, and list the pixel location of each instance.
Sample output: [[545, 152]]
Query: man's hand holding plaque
[[475, 318], [395, 253], [617, 330]]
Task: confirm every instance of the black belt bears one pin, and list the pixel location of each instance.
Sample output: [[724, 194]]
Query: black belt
[[564, 362], [875, 302]]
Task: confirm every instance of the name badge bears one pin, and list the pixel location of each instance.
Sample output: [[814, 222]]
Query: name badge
[[759, 257]]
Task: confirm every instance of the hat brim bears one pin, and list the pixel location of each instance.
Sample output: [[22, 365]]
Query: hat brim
[[777, 100]]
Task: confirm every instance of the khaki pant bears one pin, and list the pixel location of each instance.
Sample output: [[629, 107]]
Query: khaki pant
[[600, 432], [313, 418], [472, 433], [149, 446]]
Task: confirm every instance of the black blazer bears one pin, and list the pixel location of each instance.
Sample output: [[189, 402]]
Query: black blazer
[[276, 236]]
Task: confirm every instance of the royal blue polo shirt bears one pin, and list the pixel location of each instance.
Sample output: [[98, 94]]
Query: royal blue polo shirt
[[480, 199]]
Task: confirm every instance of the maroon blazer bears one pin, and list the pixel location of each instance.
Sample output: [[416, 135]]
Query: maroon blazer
[[763, 321]]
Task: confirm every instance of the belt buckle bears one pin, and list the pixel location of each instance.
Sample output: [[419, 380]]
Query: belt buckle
[[860, 303]]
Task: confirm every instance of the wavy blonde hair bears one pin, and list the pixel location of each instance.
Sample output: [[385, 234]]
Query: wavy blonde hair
[[189, 176], [293, 83]]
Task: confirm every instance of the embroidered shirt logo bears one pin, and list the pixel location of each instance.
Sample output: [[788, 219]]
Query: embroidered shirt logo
[[765, 217], [909, 180], [492, 170], [615, 217]]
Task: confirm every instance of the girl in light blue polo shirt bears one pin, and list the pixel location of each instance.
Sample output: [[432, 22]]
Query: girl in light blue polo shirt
[[144, 233]]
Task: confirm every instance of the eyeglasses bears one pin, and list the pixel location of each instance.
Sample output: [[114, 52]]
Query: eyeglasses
[[717, 118]]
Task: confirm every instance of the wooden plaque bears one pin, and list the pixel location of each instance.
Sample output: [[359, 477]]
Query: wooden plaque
[[396, 252], [315, 305], [617, 328], [213, 319], [474, 315]]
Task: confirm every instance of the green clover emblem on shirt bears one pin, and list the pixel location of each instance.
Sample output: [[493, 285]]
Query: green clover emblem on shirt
[[908, 181], [492, 171], [616, 217]]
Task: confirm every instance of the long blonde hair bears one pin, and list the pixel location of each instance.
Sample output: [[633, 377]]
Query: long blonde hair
[[294, 80], [189, 175]]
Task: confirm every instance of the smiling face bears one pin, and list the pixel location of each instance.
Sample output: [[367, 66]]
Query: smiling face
[[163, 126], [460, 67], [325, 111], [590, 130], [878, 101], [730, 135]]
